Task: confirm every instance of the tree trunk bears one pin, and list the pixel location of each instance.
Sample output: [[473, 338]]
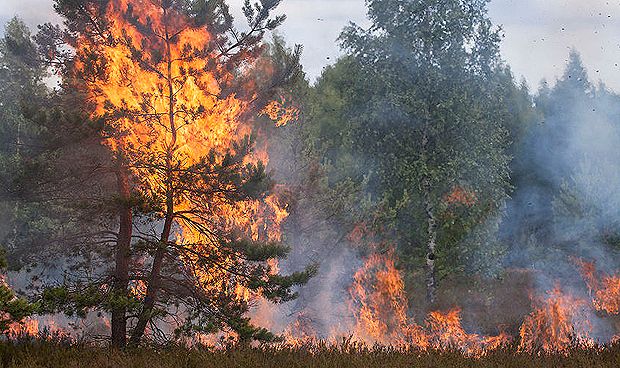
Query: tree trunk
[[122, 258], [431, 244], [431, 223], [14, 232], [155, 276], [153, 286]]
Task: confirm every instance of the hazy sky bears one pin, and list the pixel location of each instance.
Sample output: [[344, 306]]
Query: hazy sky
[[538, 33]]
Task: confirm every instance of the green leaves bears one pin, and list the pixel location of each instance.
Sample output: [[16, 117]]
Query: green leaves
[[259, 251], [71, 302], [278, 287], [415, 105], [13, 309]]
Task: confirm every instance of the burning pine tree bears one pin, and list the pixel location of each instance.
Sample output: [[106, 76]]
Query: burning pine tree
[[178, 91]]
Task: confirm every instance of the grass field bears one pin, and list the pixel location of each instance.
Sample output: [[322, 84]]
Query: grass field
[[45, 354]]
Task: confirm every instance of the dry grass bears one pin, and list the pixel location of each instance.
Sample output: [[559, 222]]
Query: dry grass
[[53, 355]]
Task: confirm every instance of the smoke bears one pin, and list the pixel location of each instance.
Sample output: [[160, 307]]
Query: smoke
[[317, 230], [565, 205], [539, 33], [33, 12]]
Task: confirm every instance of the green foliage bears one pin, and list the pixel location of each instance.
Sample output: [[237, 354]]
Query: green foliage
[[12, 308], [278, 288], [415, 110], [260, 252], [19, 80], [79, 302], [46, 153]]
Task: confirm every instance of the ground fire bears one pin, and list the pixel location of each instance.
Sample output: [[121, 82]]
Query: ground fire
[[605, 290]]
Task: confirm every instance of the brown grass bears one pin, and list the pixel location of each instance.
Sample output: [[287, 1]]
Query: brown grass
[[35, 354]]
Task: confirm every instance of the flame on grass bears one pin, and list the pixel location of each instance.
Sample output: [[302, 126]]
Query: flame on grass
[[380, 307], [604, 289], [557, 325], [46, 328]]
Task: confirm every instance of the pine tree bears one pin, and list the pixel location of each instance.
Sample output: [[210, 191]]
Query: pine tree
[[20, 79], [176, 89]]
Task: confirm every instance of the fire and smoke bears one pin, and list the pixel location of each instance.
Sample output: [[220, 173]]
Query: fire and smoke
[[557, 324], [168, 113], [191, 118], [381, 311], [605, 290]]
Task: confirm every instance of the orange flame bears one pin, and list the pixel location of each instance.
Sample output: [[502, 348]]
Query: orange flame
[[459, 195], [28, 327], [556, 326], [379, 301], [605, 291], [446, 331], [161, 98], [281, 113], [300, 332], [162, 94], [37, 328], [381, 311]]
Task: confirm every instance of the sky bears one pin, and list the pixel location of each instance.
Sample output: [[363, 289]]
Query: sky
[[538, 33]]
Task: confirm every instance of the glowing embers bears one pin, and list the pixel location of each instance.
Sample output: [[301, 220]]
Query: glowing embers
[[460, 196], [281, 112]]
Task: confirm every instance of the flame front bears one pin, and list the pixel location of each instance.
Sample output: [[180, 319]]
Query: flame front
[[379, 301], [381, 312], [556, 325], [605, 291]]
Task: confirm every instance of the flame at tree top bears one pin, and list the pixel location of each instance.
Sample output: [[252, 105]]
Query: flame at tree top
[[179, 116], [162, 94]]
